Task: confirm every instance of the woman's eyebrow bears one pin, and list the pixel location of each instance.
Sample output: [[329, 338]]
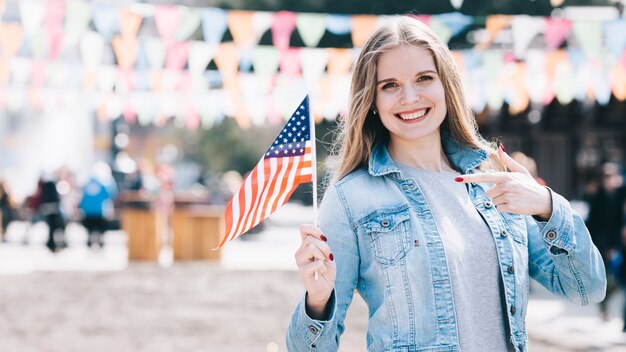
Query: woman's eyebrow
[[416, 75]]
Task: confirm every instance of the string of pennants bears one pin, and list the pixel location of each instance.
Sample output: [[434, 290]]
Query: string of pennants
[[150, 63]]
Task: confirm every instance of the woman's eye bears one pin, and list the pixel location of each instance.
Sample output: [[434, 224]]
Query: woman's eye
[[424, 78], [388, 85]]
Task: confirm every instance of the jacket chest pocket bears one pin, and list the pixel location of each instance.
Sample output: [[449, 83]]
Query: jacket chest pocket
[[516, 226], [389, 232]]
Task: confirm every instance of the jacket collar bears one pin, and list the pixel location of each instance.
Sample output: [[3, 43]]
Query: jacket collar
[[463, 158]]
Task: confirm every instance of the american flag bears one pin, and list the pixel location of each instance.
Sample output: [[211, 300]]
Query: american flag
[[286, 164]]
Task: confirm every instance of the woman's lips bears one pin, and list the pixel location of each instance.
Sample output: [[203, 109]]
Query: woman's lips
[[414, 115]]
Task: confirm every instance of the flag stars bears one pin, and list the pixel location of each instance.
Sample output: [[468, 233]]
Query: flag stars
[[285, 140], [289, 134], [298, 123], [301, 150]]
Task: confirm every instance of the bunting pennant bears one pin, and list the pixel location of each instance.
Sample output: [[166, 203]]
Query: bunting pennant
[[129, 23], [290, 62], [214, 24], [615, 36], [618, 82], [536, 83], [338, 24], [456, 22], [32, 13], [11, 35], [189, 23], [283, 24], [77, 17], [557, 30], [266, 60], [53, 25], [155, 52], [167, 19], [313, 63], [92, 49], [125, 50], [589, 35], [200, 54], [176, 58], [524, 29], [241, 27], [105, 18], [441, 30], [339, 61], [227, 61], [4, 74], [362, 27], [261, 21], [311, 28]]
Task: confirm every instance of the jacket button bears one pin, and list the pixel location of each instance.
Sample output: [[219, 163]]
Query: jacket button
[[551, 235], [313, 329], [511, 270], [513, 310], [503, 233], [384, 223], [488, 205]]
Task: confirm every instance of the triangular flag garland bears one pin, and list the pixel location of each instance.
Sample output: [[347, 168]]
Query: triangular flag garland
[[183, 51], [289, 161]]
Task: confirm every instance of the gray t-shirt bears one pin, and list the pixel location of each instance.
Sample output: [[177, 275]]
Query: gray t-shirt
[[472, 260]]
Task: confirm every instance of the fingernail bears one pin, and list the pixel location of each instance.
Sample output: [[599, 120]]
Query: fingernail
[[324, 238], [502, 147], [331, 257], [459, 179]]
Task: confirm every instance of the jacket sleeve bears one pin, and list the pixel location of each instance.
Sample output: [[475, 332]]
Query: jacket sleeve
[[304, 333], [562, 256]]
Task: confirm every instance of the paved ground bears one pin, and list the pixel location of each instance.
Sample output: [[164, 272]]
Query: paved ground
[[94, 300]]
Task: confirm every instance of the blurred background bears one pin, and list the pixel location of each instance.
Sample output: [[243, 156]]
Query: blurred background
[[126, 126]]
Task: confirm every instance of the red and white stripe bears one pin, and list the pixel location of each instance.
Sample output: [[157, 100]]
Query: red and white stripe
[[266, 188]]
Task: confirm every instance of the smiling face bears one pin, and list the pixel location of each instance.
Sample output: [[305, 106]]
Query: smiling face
[[410, 98]]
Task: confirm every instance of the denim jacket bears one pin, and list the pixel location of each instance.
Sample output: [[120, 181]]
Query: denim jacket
[[372, 219]]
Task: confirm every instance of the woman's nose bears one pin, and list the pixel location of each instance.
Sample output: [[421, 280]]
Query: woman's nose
[[410, 94]]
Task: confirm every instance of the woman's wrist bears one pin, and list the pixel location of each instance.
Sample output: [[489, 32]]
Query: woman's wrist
[[317, 308]]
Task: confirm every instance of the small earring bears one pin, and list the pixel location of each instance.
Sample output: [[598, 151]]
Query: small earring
[[375, 112]]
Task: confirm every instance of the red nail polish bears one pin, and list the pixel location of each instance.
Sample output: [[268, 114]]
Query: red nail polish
[[331, 257], [459, 179], [324, 238], [502, 147]]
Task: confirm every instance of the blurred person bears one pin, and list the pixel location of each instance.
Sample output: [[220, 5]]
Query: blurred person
[[606, 225], [96, 204], [423, 221], [50, 210], [7, 209], [530, 165]]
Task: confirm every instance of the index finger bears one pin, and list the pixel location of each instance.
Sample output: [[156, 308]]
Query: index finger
[[311, 230], [488, 177]]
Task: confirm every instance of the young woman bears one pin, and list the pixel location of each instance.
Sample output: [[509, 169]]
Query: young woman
[[425, 222]]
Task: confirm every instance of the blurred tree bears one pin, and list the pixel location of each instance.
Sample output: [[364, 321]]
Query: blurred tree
[[226, 146]]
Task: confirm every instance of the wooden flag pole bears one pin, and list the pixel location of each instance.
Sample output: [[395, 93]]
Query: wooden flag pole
[[313, 167]]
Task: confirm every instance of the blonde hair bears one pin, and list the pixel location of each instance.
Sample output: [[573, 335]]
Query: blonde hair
[[361, 129]]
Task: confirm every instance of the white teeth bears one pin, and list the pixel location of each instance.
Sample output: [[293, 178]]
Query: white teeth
[[414, 115]]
